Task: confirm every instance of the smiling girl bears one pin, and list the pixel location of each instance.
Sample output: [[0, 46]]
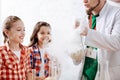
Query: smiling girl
[[14, 60]]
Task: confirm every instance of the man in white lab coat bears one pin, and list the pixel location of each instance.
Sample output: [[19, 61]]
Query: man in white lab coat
[[106, 37]]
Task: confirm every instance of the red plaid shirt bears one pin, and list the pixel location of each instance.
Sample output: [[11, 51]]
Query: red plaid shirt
[[11, 68]]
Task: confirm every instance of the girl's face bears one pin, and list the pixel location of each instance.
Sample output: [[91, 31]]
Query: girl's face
[[44, 34], [16, 32]]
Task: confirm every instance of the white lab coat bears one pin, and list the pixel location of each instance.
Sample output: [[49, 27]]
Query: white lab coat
[[112, 2], [107, 39]]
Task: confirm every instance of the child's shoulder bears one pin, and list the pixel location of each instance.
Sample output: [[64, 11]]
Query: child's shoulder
[[30, 49], [2, 48]]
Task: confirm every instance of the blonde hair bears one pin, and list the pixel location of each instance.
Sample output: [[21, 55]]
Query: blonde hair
[[8, 24]]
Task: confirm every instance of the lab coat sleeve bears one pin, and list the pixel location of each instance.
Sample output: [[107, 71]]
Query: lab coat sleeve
[[110, 42]]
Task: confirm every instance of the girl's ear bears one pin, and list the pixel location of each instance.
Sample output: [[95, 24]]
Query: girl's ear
[[6, 32]]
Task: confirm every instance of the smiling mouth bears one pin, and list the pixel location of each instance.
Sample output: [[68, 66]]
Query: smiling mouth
[[21, 37], [86, 5]]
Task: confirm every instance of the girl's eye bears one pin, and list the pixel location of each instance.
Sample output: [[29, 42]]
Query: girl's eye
[[49, 33], [18, 29], [42, 32]]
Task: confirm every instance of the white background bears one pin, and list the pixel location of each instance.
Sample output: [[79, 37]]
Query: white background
[[61, 14]]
